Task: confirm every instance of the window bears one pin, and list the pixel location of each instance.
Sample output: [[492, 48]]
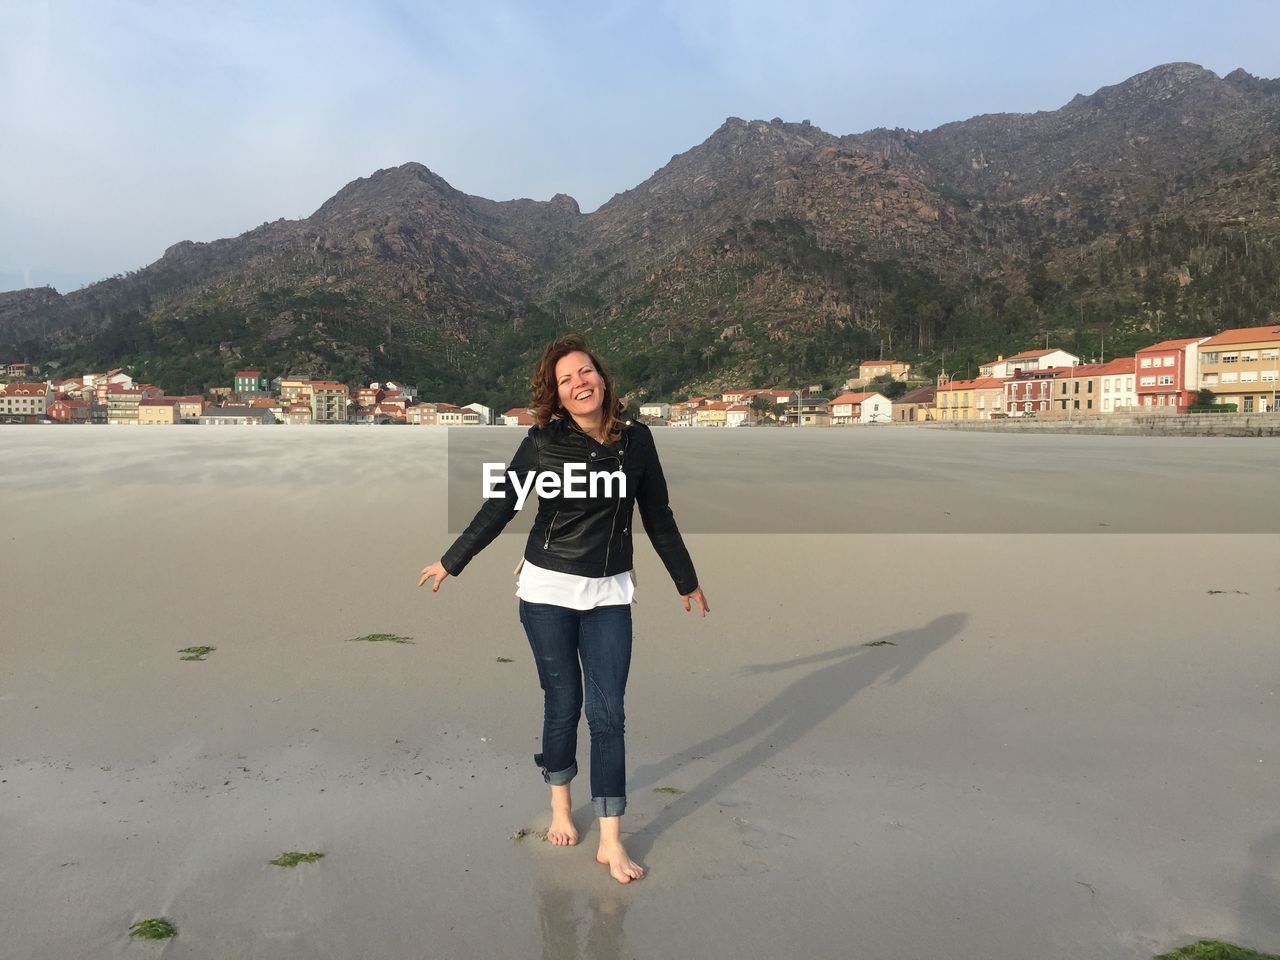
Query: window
[[1248, 356], [1169, 361], [1231, 358], [1249, 376], [1076, 404], [1089, 388], [1089, 404], [1270, 376], [1106, 404], [1248, 405], [1077, 387], [1271, 353], [1230, 377], [1130, 383], [1210, 356], [1148, 381], [1210, 379], [1166, 379], [1145, 362], [1106, 386]]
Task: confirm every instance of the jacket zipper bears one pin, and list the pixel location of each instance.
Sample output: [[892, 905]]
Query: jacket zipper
[[546, 544], [613, 524]]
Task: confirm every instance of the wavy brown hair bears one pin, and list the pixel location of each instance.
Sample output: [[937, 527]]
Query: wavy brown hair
[[544, 395]]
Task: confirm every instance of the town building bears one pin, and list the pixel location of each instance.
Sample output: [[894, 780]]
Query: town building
[[1027, 360], [237, 415], [164, 410], [1119, 388], [1028, 393], [1242, 366], [25, 401], [976, 399], [870, 369], [1169, 375], [915, 406], [867, 407], [249, 383]]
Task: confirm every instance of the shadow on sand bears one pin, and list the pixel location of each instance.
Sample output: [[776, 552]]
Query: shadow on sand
[[794, 712]]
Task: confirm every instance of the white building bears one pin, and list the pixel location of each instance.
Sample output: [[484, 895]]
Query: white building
[[1003, 367], [850, 408], [485, 414]]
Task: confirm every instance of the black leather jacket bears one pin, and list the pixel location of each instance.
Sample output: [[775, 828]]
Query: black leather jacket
[[590, 536]]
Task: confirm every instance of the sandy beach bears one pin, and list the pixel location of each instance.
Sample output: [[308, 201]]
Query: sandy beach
[[1001, 697]]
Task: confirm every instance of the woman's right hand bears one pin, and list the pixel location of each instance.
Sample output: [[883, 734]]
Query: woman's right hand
[[436, 570]]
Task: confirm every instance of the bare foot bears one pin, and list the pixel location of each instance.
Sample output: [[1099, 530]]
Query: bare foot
[[562, 832], [621, 866]]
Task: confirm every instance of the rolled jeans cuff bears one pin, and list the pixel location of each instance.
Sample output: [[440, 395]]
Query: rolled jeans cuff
[[560, 777], [609, 806]]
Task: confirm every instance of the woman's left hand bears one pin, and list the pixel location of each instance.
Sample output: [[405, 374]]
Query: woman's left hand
[[698, 597]]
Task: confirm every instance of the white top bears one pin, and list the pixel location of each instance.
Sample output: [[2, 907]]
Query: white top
[[538, 585]]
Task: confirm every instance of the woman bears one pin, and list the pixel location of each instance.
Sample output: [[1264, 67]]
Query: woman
[[576, 583]]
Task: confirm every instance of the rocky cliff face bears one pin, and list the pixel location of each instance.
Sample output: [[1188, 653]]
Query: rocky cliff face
[[768, 233]]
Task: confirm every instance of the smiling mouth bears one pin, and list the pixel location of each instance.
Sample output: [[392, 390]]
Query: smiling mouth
[[584, 395]]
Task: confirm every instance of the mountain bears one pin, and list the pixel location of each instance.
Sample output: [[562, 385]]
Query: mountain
[[771, 252]]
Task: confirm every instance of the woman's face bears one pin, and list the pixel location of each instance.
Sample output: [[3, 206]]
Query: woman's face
[[580, 386]]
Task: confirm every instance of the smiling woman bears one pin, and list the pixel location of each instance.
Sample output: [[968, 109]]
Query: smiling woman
[[576, 583]]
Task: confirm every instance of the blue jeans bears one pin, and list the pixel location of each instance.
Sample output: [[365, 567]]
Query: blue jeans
[[601, 640]]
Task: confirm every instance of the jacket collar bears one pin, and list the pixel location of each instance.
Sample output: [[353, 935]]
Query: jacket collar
[[562, 428]]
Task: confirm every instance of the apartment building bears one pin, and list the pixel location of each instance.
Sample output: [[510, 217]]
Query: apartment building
[[974, 399], [1242, 366], [1169, 374]]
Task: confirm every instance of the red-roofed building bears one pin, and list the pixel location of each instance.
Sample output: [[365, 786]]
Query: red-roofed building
[[1028, 393], [25, 402], [70, 410], [970, 399], [1242, 366], [518, 417], [1027, 360], [866, 407], [1169, 375]]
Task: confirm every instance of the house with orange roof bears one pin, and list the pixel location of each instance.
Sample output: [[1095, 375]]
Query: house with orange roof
[[517, 417], [739, 415], [1242, 366], [25, 401], [297, 413], [1027, 360], [421, 414], [1119, 386], [1169, 375], [1029, 393], [868, 370], [976, 399], [69, 410], [368, 396], [449, 415], [866, 407], [711, 413]]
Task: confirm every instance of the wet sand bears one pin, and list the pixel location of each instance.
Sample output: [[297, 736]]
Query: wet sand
[[906, 742]]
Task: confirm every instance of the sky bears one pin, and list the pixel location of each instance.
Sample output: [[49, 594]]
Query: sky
[[129, 125]]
